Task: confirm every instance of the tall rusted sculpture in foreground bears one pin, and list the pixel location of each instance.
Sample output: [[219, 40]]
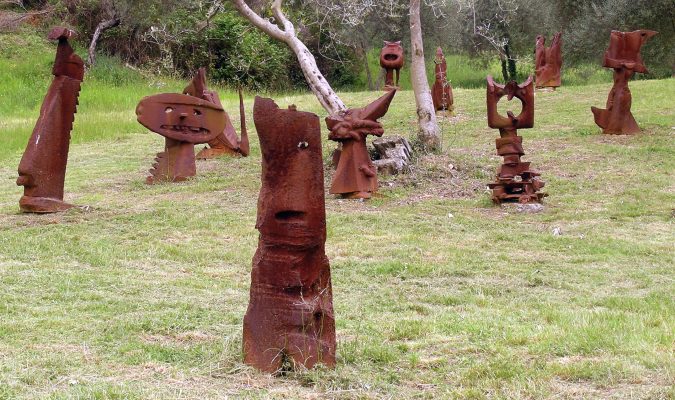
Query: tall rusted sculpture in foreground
[[391, 59], [356, 176], [515, 180], [548, 62], [289, 321], [227, 142], [623, 55], [184, 121], [441, 92], [42, 170]]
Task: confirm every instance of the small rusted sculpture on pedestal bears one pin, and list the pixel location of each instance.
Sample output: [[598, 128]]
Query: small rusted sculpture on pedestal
[[227, 142], [42, 170], [623, 55], [356, 176], [184, 121], [289, 321], [441, 92], [548, 62], [391, 59], [515, 180]]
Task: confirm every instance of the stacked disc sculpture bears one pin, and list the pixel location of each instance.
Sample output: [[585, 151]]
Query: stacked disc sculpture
[[515, 180]]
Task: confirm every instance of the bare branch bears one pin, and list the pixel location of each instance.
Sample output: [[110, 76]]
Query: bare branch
[[261, 23]]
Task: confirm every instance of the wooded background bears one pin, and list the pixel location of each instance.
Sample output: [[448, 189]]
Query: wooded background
[[176, 37]]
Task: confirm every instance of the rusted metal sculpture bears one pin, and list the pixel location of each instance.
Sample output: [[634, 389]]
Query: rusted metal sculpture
[[42, 170], [227, 143], [184, 121], [623, 55], [441, 92], [356, 176], [391, 59], [515, 180], [289, 321], [548, 62]]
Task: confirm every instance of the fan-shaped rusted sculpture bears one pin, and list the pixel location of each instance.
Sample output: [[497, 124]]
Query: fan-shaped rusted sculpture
[[227, 143], [623, 55], [289, 321], [441, 92], [515, 180], [356, 176], [42, 170], [391, 59], [548, 62], [184, 121]]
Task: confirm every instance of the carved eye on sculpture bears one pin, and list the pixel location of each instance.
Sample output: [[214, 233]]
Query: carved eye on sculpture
[[168, 110], [303, 145], [197, 112]]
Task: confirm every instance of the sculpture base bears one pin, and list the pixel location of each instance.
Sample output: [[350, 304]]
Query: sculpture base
[[523, 188], [356, 195], [214, 152], [615, 125], [446, 110], [42, 205], [546, 88], [175, 164]]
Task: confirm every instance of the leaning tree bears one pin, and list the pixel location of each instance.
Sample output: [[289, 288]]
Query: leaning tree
[[352, 13], [282, 29]]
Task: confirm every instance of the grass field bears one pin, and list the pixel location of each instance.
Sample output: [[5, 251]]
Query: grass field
[[437, 293]]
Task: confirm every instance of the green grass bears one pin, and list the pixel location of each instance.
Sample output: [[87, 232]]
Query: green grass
[[142, 296]]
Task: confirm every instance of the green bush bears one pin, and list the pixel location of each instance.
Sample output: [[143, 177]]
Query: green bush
[[241, 54]]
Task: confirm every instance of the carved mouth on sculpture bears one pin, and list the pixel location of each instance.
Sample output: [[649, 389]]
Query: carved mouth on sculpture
[[186, 129], [290, 216], [391, 57]]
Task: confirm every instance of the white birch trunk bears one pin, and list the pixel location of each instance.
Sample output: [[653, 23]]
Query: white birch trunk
[[329, 100], [429, 132]]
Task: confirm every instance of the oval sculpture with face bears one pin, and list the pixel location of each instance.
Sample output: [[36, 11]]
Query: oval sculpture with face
[[181, 117]]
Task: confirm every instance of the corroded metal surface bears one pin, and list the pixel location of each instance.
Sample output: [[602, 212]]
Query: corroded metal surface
[[42, 170], [548, 62], [184, 121], [441, 91], [226, 143], [623, 55], [289, 321], [515, 180], [355, 175], [391, 59]]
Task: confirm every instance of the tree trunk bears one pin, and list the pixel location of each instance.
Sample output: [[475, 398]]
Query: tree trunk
[[364, 53], [429, 132], [329, 100], [510, 63], [102, 27]]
